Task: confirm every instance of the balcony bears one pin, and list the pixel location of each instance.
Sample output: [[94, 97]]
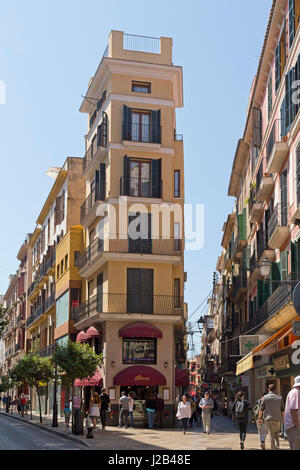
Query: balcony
[[264, 184], [47, 352], [278, 227], [88, 209], [228, 259], [20, 319], [142, 133], [263, 250], [255, 208], [49, 302], [124, 304], [97, 149], [35, 315], [17, 347], [140, 187], [254, 269], [100, 251], [277, 149], [50, 261]]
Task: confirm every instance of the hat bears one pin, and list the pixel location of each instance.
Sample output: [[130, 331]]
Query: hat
[[297, 381]]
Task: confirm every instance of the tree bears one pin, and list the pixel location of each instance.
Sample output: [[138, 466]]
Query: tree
[[75, 361], [34, 370], [3, 320], [5, 383]]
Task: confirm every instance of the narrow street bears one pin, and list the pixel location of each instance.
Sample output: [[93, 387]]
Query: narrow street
[[15, 435]]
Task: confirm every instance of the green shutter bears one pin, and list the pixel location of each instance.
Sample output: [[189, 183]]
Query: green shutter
[[275, 275], [260, 293], [284, 265]]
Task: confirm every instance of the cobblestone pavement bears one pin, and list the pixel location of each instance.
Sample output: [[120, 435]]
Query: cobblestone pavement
[[224, 436]]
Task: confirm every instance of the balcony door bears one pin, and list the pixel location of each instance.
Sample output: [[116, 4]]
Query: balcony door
[[140, 126], [140, 178], [139, 224], [284, 203], [139, 290]]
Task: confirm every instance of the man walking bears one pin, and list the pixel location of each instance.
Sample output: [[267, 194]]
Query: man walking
[[159, 408], [206, 404], [292, 416], [240, 413], [105, 401], [271, 409], [124, 409]]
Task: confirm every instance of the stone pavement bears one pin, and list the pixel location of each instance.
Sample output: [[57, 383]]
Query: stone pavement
[[224, 436]]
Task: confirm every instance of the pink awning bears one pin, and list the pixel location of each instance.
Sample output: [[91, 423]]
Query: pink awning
[[92, 332], [139, 375], [140, 330], [95, 381], [81, 337]]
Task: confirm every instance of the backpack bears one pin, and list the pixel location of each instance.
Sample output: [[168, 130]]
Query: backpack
[[256, 410], [240, 409]]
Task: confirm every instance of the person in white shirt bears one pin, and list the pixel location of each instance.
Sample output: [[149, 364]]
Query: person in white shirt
[[184, 412], [292, 416], [131, 408]]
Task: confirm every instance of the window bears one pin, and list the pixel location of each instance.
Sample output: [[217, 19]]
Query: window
[[177, 293], [141, 87], [61, 267], [141, 125], [49, 230], [140, 181], [177, 237], [139, 290], [291, 22], [140, 130], [76, 257], [139, 233], [139, 351], [177, 183], [270, 96], [75, 296], [66, 262], [142, 178], [57, 272]]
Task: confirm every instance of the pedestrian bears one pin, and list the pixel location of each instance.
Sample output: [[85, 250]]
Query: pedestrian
[[131, 408], [230, 406], [193, 409], [271, 409], [240, 413], [206, 404], [94, 410], [7, 403], [198, 412], [261, 426], [150, 409], [14, 404], [292, 416], [19, 404], [67, 413], [4, 400], [105, 403], [159, 409], [124, 409], [23, 404], [184, 412]]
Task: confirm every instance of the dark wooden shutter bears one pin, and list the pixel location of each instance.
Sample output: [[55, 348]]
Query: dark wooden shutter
[[126, 176], [102, 182], [100, 292], [291, 22], [146, 290], [62, 207], [289, 106], [126, 123], [139, 290], [156, 178], [275, 276], [104, 129], [277, 67], [284, 202], [260, 293], [140, 245], [99, 136], [97, 185], [257, 127], [155, 127]]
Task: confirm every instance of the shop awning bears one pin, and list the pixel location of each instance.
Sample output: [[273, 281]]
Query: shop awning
[[81, 337], [139, 375], [92, 332], [140, 330], [245, 364], [181, 378], [95, 381]]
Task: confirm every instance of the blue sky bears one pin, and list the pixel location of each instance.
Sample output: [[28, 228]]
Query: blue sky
[[50, 49]]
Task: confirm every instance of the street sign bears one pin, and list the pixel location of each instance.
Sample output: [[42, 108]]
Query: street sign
[[296, 328], [296, 298]]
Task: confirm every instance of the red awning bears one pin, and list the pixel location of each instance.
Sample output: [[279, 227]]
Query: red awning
[[140, 330], [95, 381], [81, 337], [181, 378], [92, 332], [139, 375]]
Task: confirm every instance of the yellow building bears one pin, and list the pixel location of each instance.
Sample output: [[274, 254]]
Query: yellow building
[[133, 219]]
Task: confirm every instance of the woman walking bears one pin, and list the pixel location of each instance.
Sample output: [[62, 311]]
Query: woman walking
[[261, 425], [184, 412], [240, 412], [95, 406]]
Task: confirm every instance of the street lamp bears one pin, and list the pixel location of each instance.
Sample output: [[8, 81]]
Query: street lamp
[[265, 268], [200, 323], [54, 414]]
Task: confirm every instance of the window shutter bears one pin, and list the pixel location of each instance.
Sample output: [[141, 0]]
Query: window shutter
[[293, 260], [284, 265], [277, 67], [126, 123], [99, 292], [289, 106], [257, 127], [102, 182], [97, 185], [282, 119], [260, 293], [155, 127], [62, 207], [126, 175], [156, 178], [291, 22], [104, 129], [99, 136]]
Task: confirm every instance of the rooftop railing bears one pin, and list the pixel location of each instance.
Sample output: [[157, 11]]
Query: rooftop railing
[[133, 42]]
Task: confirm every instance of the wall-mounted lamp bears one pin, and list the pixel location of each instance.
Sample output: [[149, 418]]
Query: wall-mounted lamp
[[113, 363], [166, 364]]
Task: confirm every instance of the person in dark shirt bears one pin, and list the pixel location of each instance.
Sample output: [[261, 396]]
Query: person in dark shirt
[[240, 412], [159, 408], [150, 409], [105, 401]]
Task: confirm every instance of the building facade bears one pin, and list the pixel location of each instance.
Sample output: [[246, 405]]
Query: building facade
[[259, 265], [132, 310]]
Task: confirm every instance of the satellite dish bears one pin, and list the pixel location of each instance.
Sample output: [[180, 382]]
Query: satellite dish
[[296, 298]]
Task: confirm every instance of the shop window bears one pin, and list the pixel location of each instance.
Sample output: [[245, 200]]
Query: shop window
[[139, 351]]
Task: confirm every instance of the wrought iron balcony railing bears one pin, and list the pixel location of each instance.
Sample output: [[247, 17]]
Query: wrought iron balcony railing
[[49, 302], [35, 315], [140, 187]]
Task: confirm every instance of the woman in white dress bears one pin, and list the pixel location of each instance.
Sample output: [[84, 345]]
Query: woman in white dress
[[95, 406], [184, 412]]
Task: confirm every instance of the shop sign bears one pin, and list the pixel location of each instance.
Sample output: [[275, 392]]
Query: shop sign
[[281, 363], [139, 378], [248, 343], [265, 371]]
